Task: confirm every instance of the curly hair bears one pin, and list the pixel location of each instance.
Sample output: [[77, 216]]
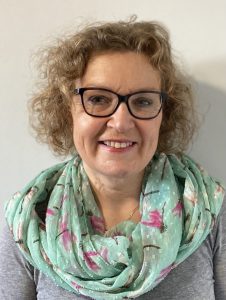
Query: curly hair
[[65, 61]]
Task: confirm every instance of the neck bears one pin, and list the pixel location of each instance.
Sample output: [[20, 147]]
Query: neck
[[116, 197]]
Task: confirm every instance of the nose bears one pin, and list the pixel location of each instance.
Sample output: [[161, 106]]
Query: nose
[[121, 120]]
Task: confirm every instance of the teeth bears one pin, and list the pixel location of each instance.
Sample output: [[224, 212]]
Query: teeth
[[117, 144]]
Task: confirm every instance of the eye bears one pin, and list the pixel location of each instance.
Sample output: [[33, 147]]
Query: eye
[[143, 102], [98, 100]]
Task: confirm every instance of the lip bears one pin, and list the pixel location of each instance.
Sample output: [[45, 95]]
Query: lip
[[117, 141]]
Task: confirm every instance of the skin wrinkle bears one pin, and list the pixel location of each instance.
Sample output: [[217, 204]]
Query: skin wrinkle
[[116, 177]]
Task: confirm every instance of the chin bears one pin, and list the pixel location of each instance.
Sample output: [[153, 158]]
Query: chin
[[119, 172]]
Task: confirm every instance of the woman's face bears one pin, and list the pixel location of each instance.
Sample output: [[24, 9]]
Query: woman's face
[[122, 73]]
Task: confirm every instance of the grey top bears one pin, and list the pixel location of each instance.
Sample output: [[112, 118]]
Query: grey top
[[201, 276]]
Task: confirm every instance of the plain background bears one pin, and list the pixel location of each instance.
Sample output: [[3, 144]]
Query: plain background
[[198, 38]]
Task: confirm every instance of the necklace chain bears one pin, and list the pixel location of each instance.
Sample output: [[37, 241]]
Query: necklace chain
[[129, 218], [132, 213]]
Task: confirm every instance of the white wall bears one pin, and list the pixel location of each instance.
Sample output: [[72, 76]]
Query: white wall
[[197, 31]]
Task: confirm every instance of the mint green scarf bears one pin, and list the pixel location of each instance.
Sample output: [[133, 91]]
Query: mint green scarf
[[179, 204]]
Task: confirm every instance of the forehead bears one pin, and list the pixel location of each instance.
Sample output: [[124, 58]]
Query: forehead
[[124, 72]]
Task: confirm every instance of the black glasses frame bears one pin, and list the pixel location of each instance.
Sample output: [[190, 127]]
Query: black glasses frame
[[121, 99]]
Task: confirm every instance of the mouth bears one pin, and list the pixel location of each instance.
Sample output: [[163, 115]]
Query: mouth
[[118, 144]]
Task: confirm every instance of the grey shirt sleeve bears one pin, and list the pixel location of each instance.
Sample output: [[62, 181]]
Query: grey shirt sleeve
[[219, 255], [16, 274]]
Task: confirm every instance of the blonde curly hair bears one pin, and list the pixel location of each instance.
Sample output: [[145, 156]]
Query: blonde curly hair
[[66, 60]]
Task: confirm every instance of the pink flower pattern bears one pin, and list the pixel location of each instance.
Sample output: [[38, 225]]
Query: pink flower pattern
[[104, 254], [77, 286], [97, 224], [103, 250], [50, 212], [155, 219], [67, 237], [178, 209], [88, 259]]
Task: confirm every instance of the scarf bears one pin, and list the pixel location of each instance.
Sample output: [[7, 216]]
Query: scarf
[[179, 204]]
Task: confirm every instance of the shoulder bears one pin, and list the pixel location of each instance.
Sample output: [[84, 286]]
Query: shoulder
[[10, 254], [16, 276], [219, 230]]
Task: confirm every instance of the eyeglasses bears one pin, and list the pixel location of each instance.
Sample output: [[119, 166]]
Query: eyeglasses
[[98, 102]]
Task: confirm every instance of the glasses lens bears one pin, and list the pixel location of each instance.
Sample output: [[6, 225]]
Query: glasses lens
[[99, 102], [145, 105]]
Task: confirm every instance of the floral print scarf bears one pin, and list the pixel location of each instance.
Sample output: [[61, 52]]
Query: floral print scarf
[[179, 204]]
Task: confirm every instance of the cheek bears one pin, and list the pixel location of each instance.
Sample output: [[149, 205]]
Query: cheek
[[80, 130], [79, 127], [85, 129], [80, 121], [152, 130]]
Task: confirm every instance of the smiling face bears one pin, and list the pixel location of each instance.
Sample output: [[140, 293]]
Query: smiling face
[[119, 145]]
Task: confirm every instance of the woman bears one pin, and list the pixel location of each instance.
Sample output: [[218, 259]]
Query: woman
[[130, 215]]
